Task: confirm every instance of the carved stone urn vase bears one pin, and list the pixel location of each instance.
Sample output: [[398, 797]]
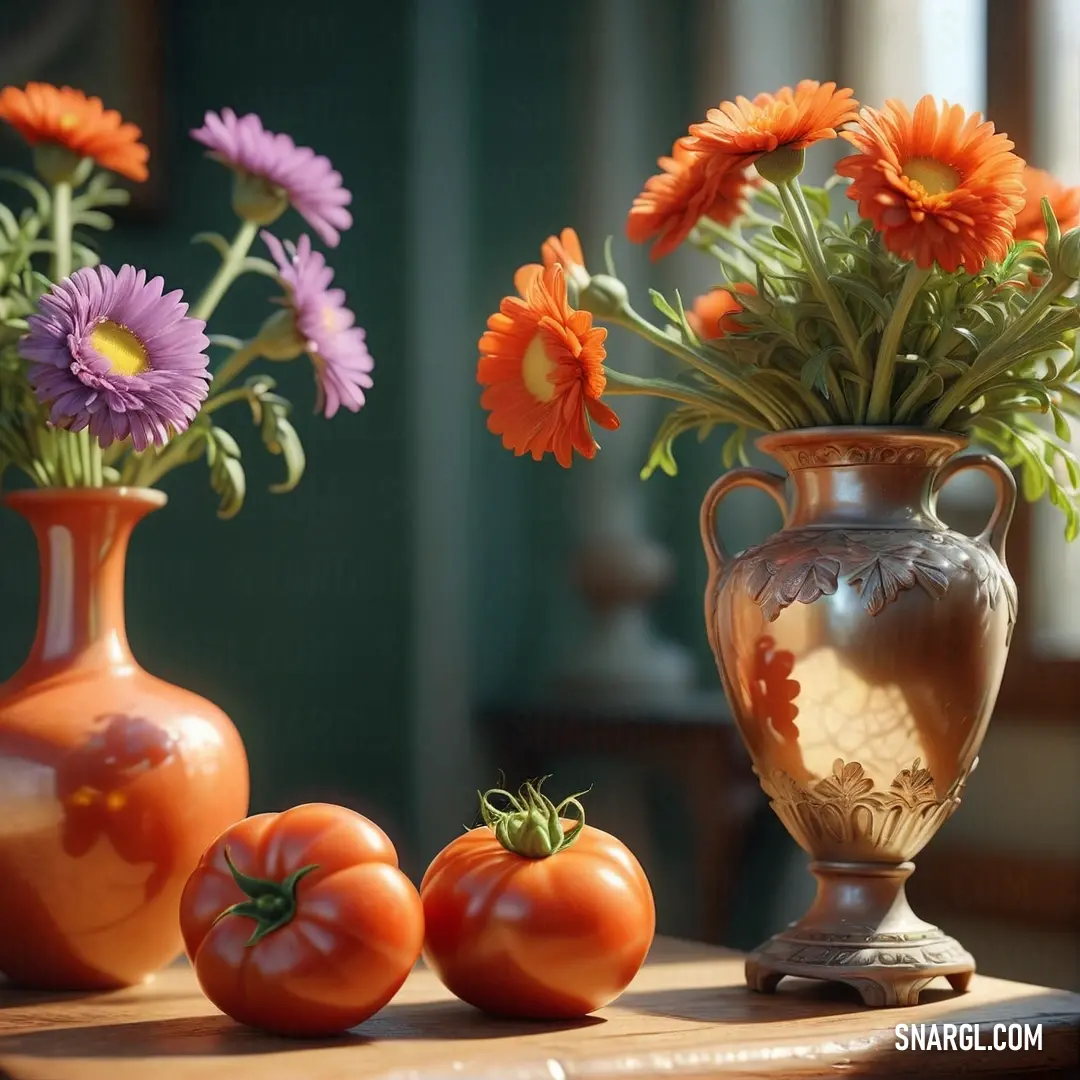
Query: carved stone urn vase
[[861, 649]]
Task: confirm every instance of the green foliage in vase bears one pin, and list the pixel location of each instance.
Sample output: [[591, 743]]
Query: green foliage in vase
[[945, 299]]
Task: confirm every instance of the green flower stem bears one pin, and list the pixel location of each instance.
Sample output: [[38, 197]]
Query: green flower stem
[[230, 269], [221, 400], [837, 398], [63, 458], [620, 384], [725, 258], [232, 367], [153, 465], [708, 227], [89, 452], [61, 231], [801, 223], [813, 407], [910, 398], [996, 358], [772, 415], [885, 368]]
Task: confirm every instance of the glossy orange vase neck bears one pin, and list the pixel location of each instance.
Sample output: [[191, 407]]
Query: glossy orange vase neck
[[82, 537], [858, 476]]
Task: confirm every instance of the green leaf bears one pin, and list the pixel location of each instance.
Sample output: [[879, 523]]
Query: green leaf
[[270, 413], [675, 423], [223, 341], [254, 265], [215, 240], [84, 255], [787, 238], [290, 448], [609, 258], [819, 200], [734, 448], [1061, 425], [226, 473], [661, 305], [863, 291], [8, 222], [94, 219], [38, 192], [969, 336], [813, 372], [688, 334]]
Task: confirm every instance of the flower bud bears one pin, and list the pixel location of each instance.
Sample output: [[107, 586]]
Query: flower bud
[[604, 296], [56, 164], [257, 201], [781, 165], [278, 338], [1068, 254]]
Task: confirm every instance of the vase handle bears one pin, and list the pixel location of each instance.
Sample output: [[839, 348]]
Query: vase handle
[[1004, 485], [770, 483]]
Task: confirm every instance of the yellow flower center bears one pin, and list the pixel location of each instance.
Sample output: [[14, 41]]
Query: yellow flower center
[[122, 350], [68, 121], [934, 177], [536, 370]]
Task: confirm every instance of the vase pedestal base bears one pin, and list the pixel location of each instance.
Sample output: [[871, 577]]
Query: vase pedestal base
[[861, 931]]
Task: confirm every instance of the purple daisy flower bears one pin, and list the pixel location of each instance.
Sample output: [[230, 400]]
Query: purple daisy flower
[[324, 325], [111, 352], [305, 178]]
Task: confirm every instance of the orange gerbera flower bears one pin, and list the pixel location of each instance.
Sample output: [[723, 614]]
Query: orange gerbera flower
[[713, 314], [1064, 201], [565, 250], [939, 186], [690, 187], [45, 114], [787, 120], [542, 363]]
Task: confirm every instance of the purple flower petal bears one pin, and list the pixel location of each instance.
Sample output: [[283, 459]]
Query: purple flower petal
[[336, 346], [309, 181], [84, 387]]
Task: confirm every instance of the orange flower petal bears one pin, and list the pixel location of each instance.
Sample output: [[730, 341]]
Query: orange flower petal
[[788, 119], [542, 366], [690, 187], [938, 185], [712, 315], [564, 249], [1064, 201], [45, 113]]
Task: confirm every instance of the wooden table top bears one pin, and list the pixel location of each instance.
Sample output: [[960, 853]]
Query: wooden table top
[[686, 1015]]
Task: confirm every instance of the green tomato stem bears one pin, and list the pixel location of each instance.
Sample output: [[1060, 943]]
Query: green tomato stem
[[272, 904], [531, 827]]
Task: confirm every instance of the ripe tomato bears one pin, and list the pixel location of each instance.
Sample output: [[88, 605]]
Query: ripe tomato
[[311, 930], [536, 915]]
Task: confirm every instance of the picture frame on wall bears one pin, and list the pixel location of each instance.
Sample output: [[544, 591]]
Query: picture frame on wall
[[112, 49]]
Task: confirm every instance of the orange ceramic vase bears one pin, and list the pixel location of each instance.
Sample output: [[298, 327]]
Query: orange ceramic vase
[[112, 782]]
